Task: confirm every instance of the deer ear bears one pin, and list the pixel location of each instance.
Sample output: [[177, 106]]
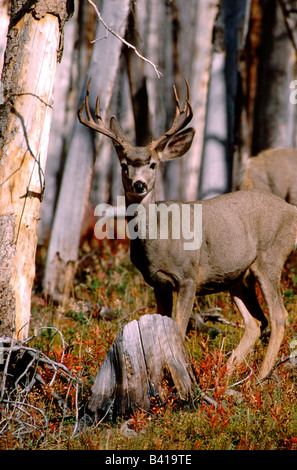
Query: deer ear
[[178, 145]]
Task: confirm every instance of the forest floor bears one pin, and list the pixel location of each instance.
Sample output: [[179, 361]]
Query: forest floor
[[74, 341]]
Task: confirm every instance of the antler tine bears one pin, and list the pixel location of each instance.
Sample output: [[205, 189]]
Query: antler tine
[[177, 103], [88, 111], [97, 109], [90, 122], [188, 99], [85, 104], [176, 127], [187, 108]]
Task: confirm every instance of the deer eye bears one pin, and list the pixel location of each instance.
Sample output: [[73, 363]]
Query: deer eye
[[153, 166], [124, 168]]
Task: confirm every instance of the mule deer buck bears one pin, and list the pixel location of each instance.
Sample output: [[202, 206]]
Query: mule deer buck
[[246, 237], [274, 170]]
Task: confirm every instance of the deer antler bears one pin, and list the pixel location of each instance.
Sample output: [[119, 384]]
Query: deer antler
[[176, 125], [99, 125]]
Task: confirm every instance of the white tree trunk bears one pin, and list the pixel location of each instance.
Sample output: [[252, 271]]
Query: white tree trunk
[[214, 172], [200, 76], [28, 78], [4, 22], [75, 188], [58, 132]]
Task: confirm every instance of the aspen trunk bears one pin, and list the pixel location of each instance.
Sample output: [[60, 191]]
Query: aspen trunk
[[200, 60], [63, 119], [73, 198], [28, 79]]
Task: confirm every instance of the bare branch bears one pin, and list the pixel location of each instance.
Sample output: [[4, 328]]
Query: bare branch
[[15, 397], [279, 363], [128, 44], [211, 315]]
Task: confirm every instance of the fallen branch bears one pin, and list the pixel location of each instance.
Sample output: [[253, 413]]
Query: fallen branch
[[212, 316], [198, 321], [19, 358], [286, 359]]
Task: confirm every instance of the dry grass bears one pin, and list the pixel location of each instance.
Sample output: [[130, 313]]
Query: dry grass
[[256, 417]]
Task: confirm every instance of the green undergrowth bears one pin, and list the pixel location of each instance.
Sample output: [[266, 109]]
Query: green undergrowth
[[248, 416]]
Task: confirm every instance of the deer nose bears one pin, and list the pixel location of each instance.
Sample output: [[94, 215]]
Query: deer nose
[[139, 187]]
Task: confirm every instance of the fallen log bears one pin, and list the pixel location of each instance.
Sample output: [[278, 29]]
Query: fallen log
[[145, 356]]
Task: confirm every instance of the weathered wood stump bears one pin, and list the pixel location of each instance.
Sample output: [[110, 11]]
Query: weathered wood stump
[[144, 355]]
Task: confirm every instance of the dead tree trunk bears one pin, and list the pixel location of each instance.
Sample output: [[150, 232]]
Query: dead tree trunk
[[200, 61], [77, 177], [219, 136], [147, 358], [137, 82], [273, 83], [33, 47], [62, 120]]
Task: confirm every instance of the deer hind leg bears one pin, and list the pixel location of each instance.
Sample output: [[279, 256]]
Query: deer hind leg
[[269, 282], [245, 298]]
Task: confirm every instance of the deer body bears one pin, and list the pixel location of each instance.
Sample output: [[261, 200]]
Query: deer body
[[274, 170], [232, 257], [246, 237]]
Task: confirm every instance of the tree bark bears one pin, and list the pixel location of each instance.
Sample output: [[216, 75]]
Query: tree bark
[[33, 47]]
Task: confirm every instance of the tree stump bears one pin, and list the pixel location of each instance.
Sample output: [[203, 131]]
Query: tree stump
[[144, 355]]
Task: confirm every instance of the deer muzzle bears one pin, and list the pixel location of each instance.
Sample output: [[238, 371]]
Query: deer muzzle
[[139, 187]]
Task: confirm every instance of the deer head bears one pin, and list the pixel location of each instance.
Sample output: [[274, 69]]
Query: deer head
[[139, 164]]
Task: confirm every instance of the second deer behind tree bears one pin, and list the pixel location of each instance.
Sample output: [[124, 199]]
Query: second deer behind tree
[[274, 170], [246, 237]]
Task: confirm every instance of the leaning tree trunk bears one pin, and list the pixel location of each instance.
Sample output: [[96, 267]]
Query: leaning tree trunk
[[73, 198], [33, 47]]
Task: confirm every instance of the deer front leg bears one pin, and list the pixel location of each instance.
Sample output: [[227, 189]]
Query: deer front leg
[[185, 300], [163, 295]]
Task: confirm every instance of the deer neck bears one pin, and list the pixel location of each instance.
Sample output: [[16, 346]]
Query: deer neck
[[138, 244]]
